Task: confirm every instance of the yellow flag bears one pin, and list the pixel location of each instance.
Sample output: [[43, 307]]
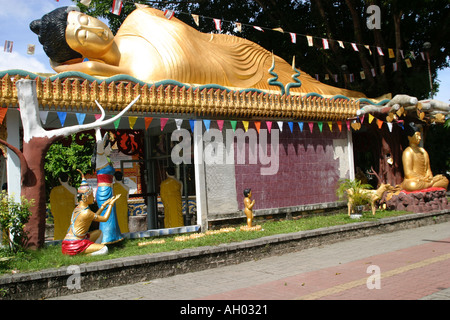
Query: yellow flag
[[330, 124], [391, 53], [132, 121], [370, 118], [245, 123]]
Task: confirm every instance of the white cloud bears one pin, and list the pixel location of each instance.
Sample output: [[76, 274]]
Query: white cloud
[[15, 60]]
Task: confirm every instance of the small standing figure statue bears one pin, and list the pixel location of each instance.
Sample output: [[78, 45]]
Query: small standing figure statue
[[248, 210], [78, 240]]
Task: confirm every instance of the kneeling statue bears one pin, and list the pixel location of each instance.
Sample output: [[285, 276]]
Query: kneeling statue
[[78, 239]]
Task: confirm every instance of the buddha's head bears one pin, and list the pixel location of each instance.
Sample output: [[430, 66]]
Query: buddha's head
[[51, 29], [413, 132], [67, 34]]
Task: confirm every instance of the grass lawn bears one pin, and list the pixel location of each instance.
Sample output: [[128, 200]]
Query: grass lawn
[[51, 256]]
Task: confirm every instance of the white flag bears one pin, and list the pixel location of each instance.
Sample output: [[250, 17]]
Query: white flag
[[355, 47], [380, 52], [195, 17], [218, 23], [258, 28], [341, 44], [8, 46], [238, 26], [87, 3], [310, 40], [325, 43], [30, 49], [169, 14], [117, 7], [293, 37]]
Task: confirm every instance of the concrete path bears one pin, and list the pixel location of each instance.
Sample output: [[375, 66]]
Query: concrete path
[[403, 265]]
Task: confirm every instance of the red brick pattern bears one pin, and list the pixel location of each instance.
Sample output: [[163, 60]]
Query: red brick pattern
[[308, 172]]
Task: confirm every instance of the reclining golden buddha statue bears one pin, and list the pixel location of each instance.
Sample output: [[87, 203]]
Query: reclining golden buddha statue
[[151, 48]]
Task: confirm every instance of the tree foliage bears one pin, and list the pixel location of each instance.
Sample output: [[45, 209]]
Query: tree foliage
[[405, 25], [68, 156]]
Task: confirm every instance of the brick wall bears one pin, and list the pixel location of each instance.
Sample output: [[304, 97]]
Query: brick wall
[[309, 168]]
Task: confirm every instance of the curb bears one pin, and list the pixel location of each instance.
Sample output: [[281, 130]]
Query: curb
[[115, 272]]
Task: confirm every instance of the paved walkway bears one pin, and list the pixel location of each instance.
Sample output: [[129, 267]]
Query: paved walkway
[[402, 265]]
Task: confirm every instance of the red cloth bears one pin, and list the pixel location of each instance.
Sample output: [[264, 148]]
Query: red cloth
[[105, 178], [423, 190], [73, 247]]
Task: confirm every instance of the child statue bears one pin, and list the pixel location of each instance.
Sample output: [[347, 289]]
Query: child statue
[[78, 240], [248, 210]]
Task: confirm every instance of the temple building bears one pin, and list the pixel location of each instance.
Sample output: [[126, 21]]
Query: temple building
[[276, 130]]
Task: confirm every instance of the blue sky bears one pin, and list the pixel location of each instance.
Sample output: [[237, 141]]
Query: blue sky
[[16, 15]]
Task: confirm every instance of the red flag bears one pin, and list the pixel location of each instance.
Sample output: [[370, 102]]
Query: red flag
[[117, 7], [168, 14]]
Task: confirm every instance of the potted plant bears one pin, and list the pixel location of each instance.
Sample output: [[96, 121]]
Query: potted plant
[[355, 193]]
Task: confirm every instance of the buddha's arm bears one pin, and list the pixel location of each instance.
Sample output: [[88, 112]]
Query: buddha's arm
[[408, 165], [89, 67], [429, 173]]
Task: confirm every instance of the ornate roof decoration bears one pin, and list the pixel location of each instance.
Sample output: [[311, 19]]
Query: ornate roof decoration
[[74, 91]]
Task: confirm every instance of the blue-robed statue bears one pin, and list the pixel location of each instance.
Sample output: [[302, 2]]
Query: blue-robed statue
[[105, 179]]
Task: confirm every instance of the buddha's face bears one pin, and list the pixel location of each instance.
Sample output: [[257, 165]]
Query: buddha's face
[[415, 138], [87, 35]]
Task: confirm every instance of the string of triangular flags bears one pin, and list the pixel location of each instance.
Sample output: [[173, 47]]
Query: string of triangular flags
[[62, 116], [218, 23]]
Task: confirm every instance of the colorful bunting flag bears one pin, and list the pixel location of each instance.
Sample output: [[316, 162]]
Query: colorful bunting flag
[[178, 123], [43, 115], [207, 123], [341, 44], [311, 125], [132, 121], [220, 124], [62, 117], [30, 49], [233, 124], [87, 3], [389, 124], [293, 37], [147, 120], [330, 125], [280, 125], [408, 62], [325, 43], [258, 28], [169, 14], [380, 52], [117, 7], [368, 48], [269, 125], [80, 117], [163, 122], [391, 53], [245, 123], [310, 41], [379, 123], [320, 125], [8, 46], [195, 17], [238, 26], [300, 125], [339, 123], [291, 126], [116, 123], [355, 47], [192, 124], [218, 23], [2, 114], [257, 125]]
